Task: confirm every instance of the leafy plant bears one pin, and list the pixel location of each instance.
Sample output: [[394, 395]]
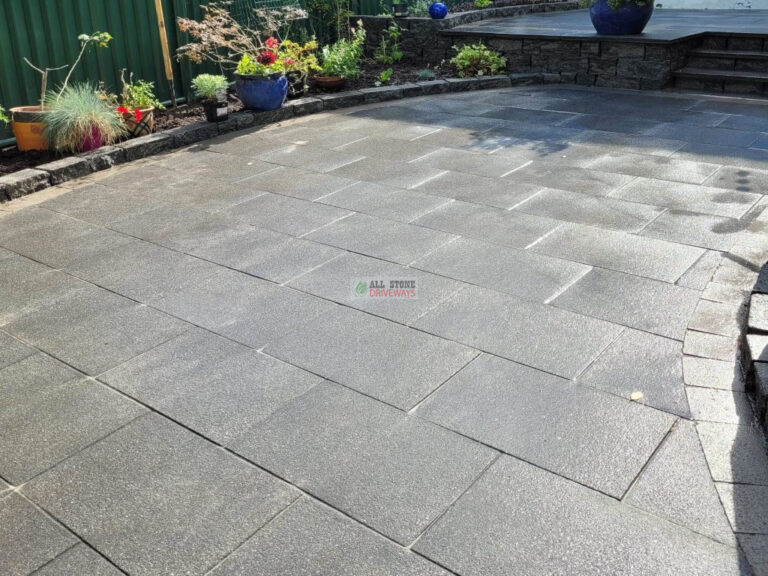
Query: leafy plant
[[426, 74], [328, 19], [138, 94], [419, 8], [616, 4], [78, 114], [4, 116], [483, 3], [477, 60], [388, 51], [209, 86], [385, 75], [343, 57], [299, 61]]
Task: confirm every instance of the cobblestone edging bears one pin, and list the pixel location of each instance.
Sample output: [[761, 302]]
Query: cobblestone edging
[[31, 180], [725, 369], [423, 39]]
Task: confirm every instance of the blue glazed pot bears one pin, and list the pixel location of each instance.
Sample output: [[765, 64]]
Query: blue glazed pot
[[438, 10], [629, 19], [262, 92]]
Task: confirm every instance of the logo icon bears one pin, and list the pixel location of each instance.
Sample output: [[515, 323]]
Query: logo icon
[[361, 288]]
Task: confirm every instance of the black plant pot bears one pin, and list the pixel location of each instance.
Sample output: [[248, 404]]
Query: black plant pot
[[400, 10], [216, 110]]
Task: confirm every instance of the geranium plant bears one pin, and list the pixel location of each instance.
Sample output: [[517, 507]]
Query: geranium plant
[[263, 62]]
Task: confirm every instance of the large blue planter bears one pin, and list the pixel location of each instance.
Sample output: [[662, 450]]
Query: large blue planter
[[629, 19], [438, 10], [262, 92]]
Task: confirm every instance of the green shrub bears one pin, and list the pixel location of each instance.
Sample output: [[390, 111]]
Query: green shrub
[[388, 51], [4, 116], [426, 74], [343, 57], [138, 94], [209, 86], [419, 8], [483, 3], [76, 113], [385, 75], [478, 60], [616, 4]]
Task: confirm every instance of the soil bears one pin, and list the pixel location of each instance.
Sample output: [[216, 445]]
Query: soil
[[11, 160]]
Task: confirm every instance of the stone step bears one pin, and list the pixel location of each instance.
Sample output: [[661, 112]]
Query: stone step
[[749, 42], [726, 81], [716, 59], [741, 54]]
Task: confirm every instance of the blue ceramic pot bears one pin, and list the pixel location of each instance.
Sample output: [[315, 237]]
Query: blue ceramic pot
[[629, 19], [262, 92], [438, 10]]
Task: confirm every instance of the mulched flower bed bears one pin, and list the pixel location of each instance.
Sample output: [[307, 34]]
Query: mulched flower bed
[[11, 160]]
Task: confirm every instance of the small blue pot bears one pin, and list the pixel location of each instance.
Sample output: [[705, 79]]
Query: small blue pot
[[438, 10], [629, 19], [262, 92]]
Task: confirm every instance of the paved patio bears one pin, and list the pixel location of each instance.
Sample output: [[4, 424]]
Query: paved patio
[[191, 381]]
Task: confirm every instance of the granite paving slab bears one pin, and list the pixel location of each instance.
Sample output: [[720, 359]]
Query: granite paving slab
[[176, 522], [703, 230], [736, 453], [99, 204], [79, 559], [297, 183], [392, 472], [479, 189], [12, 350], [655, 167]]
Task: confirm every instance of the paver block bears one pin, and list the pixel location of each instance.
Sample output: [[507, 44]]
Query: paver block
[[746, 506], [708, 373], [758, 313], [736, 453], [79, 560]]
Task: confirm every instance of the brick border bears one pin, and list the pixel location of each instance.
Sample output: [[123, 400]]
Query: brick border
[[31, 180]]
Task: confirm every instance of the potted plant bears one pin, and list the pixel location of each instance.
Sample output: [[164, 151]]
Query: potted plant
[[620, 17], [4, 116], [28, 122], [341, 60], [299, 61], [137, 105], [77, 119], [211, 90], [260, 80], [438, 10]]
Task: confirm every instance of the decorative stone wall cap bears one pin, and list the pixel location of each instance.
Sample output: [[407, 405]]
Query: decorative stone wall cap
[[67, 169], [23, 182]]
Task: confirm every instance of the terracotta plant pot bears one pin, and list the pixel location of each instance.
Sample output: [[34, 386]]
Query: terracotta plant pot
[[143, 127], [28, 128], [330, 82]]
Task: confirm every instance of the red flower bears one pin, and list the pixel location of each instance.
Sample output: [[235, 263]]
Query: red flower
[[137, 115], [266, 57], [272, 43], [122, 110]]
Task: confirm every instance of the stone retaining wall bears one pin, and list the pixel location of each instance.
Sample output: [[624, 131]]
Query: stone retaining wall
[[423, 42]]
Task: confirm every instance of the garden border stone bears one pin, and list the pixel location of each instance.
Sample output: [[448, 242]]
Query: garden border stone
[[30, 180]]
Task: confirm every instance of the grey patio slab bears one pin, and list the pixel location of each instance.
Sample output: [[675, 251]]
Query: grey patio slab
[[53, 238], [740, 179], [374, 356], [388, 148], [632, 144], [387, 470], [566, 154], [205, 194], [545, 117], [49, 412], [640, 303], [462, 138], [149, 177], [755, 548], [699, 274], [549, 422], [310, 539], [539, 134], [267, 254], [12, 350], [746, 506], [723, 406], [703, 230], [729, 155], [249, 143], [243, 308], [99, 204], [589, 210], [303, 134], [337, 279], [284, 214], [79, 559], [517, 272], [703, 134], [310, 157], [477, 163], [176, 522], [677, 485], [202, 163], [711, 373], [607, 123], [94, 330], [649, 257], [537, 335], [210, 384], [518, 519], [503, 227], [716, 318], [385, 239], [655, 167], [25, 286], [574, 179], [500, 193], [30, 538], [384, 201], [141, 270], [179, 228], [735, 453], [713, 346], [297, 183], [388, 173], [655, 371]]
